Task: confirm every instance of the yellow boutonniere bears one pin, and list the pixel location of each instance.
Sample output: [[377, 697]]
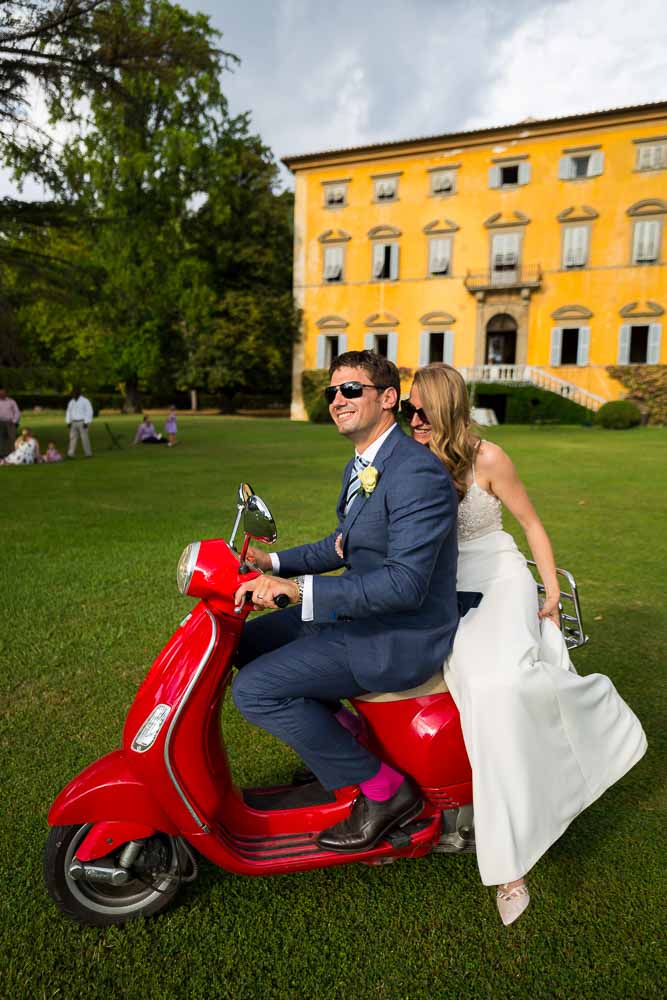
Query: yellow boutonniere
[[368, 479]]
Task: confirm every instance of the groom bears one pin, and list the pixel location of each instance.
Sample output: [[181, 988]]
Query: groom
[[386, 624]]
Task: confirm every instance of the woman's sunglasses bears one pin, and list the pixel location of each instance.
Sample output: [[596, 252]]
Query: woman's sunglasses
[[408, 411], [350, 390]]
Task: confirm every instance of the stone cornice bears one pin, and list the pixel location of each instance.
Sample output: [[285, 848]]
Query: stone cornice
[[437, 318], [648, 206], [585, 214], [650, 311], [572, 312], [496, 220], [381, 320], [332, 322], [435, 227], [334, 236], [383, 232]]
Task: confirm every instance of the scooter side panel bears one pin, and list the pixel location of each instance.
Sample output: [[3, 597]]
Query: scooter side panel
[[422, 737], [108, 789]]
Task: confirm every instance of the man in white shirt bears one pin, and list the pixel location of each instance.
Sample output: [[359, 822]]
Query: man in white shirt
[[78, 418], [9, 421]]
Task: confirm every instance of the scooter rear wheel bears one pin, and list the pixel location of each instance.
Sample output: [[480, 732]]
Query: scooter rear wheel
[[102, 904]]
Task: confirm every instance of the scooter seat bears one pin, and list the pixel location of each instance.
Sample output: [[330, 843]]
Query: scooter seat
[[434, 685]]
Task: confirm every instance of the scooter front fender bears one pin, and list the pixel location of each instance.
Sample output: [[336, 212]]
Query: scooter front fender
[[107, 790]]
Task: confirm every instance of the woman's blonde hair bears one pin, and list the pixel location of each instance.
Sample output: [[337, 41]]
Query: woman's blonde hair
[[444, 398]]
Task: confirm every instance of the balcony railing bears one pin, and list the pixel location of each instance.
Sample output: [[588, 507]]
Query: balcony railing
[[517, 277]]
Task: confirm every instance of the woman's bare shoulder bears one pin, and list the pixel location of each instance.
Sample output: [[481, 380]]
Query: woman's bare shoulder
[[490, 457]]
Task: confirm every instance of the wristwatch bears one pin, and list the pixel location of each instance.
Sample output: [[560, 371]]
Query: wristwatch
[[300, 580]]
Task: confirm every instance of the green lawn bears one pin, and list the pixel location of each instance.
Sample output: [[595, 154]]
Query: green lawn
[[89, 551]]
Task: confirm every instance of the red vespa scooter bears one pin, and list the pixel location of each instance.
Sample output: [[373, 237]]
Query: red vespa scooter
[[125, 832]]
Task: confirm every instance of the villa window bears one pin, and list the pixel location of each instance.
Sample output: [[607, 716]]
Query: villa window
[[651, 156], [385, 261], [570, 345], [439, 256], [578, 166], [443, 181], [436, 345], [504, 256], [386, 188], [384, 344], [329, 346], [504, 175], [646, 241], [334, 257], [575, 246], [639, 344], [335, 195]]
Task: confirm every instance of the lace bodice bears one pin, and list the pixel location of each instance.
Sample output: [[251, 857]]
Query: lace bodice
[[479, 513]]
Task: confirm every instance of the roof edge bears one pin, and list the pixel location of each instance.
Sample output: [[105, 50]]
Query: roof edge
[[347, 152]]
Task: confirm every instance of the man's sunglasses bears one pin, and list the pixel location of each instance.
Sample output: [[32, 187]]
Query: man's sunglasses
[[408, 410], [350, 390]]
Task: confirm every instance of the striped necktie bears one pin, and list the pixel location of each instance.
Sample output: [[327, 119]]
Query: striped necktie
[[354, 484]]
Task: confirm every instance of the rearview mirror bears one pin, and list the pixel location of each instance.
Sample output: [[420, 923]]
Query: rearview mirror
[[258, 520]]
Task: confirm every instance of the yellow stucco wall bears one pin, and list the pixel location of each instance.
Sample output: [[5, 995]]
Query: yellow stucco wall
[[608, 283]]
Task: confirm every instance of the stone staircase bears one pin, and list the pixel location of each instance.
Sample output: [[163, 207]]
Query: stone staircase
[[533, 375]]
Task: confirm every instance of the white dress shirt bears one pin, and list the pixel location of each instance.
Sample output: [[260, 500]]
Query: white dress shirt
[[307, 611], [79, 409]]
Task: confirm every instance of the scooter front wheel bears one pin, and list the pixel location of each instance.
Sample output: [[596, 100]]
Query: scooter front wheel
[[108, 897]]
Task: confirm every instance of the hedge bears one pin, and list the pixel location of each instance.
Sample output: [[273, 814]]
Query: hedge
[[619, 415], [647, 387]]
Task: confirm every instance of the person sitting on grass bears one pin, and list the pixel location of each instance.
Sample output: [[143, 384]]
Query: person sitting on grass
[[146, 433], [26, 450], [52, 454]]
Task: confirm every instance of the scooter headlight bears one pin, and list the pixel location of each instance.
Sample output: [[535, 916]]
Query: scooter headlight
[[186, 566]]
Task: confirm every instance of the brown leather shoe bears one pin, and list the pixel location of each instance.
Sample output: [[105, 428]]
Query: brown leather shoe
[[370, 821]]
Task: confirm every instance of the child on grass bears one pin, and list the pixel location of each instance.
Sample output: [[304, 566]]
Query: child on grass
[[170, 427]]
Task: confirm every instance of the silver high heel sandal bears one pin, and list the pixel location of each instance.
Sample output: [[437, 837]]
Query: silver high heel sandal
[[511, 902]]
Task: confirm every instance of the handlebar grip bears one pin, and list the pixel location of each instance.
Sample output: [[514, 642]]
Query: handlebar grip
[[281, 600]]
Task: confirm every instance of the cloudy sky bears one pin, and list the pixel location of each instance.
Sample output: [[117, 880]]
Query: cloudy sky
[[321, 74]]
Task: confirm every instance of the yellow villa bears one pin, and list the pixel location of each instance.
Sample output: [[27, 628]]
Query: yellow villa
[[533, 252]]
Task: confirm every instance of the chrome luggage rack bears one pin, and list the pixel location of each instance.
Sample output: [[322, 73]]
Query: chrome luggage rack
[[570, 619]]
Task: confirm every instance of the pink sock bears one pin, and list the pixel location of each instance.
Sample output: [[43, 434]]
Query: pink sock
[[385, 784], [348, 720]]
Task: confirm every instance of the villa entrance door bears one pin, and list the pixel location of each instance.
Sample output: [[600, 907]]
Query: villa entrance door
[[501, 340]]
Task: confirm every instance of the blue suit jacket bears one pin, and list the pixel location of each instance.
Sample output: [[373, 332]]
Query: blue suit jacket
[[396, 603]]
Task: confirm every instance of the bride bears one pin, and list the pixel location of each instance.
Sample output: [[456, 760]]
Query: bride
[[543, 742]]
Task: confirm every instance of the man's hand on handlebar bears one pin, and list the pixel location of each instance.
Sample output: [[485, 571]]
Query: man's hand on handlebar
[[260, 558], [264, 590]]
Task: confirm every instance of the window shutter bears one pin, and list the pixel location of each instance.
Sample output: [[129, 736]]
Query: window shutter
[[393, 263], [392, 347], [443, 182], [369, 342], [439, 251], [378, 259], [624, 344], [645, 157], [494, 177], [321, 352], [524, 172], [651, 239], [564, 168], [583, 345], [342, 343], [653, 350], [582, 248], [512, 249], [556, 341], [424, 348], [595, 164], [448, 351], [638, 242], [568, 244]]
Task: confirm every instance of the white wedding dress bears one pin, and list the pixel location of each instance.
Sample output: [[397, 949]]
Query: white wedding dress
[[543, 742]]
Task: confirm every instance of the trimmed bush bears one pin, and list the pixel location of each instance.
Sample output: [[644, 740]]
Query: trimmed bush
[[526, 404], [313, 383], [619, 415], [647, 386]]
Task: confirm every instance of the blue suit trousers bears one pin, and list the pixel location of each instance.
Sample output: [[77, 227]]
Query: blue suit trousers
[[294, 674]]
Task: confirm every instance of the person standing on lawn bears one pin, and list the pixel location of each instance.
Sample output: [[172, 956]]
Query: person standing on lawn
[[78, 418], [170, 427], [386, 624], [10, 416]]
